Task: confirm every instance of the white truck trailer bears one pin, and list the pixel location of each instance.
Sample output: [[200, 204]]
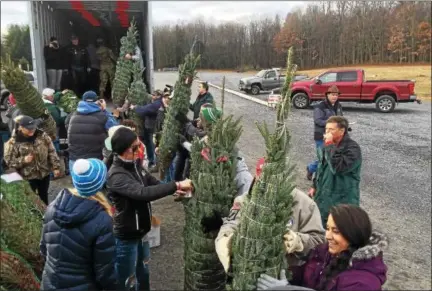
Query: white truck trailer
[[88, 20]]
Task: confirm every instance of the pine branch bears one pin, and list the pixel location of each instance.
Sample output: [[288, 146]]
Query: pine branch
[[179, 106], [215, 188], [258, 246]]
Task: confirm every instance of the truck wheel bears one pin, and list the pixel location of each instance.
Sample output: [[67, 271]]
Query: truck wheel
[[255, 89], [385, 103], [300, 101]]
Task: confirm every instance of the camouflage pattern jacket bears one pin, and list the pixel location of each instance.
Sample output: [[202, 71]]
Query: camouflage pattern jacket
[[106, 58], [40, 145]]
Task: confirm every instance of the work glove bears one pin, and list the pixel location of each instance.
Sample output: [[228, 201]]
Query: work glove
[[223, 249], [266, 282], [292, 242]]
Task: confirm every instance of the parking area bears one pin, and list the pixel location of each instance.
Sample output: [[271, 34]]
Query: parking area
[[395, 186]]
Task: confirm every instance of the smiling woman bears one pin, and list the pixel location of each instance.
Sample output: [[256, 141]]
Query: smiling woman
[[352, 258]]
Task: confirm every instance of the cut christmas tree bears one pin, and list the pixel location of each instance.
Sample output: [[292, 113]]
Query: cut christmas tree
[[179, 105], [138, 93], [258, 245], [16, 273], [67, 100], [21, 226], [28, 99], [213, 173], [124, 67]]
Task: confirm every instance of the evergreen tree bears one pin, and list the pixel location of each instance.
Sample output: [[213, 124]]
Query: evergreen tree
[[138, 93], [28, 99], [213, 173], [124, 68], [21, 227], [179, 106], [258, 245]]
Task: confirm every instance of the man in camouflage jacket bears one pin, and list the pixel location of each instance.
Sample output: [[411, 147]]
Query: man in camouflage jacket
[[107, 66]]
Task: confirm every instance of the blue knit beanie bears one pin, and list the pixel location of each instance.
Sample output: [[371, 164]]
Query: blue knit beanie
[[88, 176], [90, 96]]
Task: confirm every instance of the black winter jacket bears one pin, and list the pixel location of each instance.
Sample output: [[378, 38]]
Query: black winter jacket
[[86, 135], [78, 245], [131, 190], [323, 111], [54, 58]]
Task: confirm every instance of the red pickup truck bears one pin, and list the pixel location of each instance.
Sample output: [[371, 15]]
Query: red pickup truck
[[354, 88]]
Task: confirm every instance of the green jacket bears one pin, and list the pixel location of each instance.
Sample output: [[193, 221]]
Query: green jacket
[[55, 112], [338, 176], [200, 101]]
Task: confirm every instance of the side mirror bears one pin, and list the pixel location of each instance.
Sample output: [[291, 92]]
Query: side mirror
[[317, 81]]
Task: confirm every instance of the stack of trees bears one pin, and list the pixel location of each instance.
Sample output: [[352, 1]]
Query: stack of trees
[[258, 245]]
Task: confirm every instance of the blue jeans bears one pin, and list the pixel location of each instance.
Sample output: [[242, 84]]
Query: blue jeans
[[131, 264], [312, 167], [56, 144], [147, 139]]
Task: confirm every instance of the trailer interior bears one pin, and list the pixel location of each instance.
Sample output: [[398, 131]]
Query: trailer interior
[[89, 20]]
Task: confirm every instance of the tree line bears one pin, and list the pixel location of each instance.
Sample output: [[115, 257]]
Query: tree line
[[324, 34]]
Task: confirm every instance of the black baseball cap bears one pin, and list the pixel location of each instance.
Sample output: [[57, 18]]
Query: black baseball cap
[[27, 122]]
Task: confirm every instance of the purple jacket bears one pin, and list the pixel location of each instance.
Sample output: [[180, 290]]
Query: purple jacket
[[367, 270]]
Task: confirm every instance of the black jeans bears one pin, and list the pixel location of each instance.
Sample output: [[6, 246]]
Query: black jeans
[[79, 76], [181, 165], [41, 186]]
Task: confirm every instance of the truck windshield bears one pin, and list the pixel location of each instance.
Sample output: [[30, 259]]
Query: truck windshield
[[261, 73]]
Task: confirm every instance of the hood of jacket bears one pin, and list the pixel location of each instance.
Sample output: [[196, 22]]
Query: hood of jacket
[[87, 107], [369, 258], [70, 210]]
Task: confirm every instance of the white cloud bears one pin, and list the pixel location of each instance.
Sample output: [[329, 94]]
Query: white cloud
[[15, 12]]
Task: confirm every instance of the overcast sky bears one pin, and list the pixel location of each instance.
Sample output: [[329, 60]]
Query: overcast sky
[[15, 12]]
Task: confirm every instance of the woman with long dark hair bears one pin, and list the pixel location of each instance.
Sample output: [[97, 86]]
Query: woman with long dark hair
[[351, 259]]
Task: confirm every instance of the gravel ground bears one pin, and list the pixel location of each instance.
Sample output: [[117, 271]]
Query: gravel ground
[[395, 186]]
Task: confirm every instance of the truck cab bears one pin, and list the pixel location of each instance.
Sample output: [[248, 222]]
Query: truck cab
[[264, 80]]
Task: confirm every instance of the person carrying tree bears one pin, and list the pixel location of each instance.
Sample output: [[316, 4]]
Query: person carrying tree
[[132, 189], [149, 113], [204, 97], [107, 61], [351, 259], [304, 229], [338, 177]]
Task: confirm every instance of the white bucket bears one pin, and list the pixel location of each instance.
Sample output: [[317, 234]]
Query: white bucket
[[153, 235]]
